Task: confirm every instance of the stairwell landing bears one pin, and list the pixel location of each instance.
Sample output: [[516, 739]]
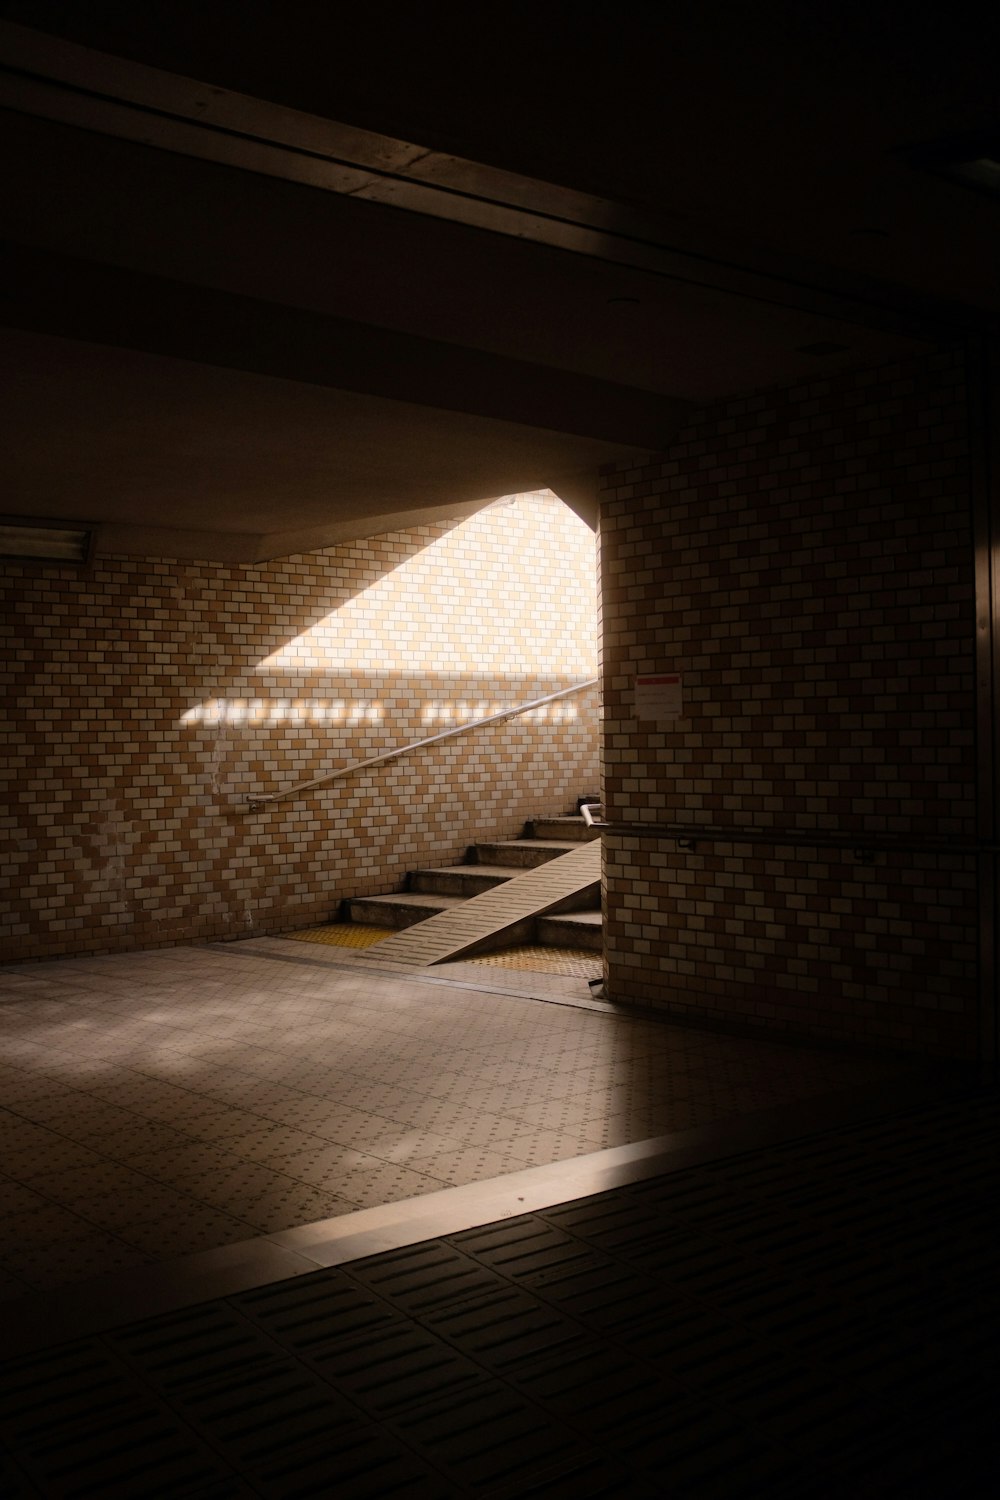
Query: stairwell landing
[[540, 889]]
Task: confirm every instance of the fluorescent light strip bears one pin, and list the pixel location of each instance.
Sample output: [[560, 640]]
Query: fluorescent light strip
[[46, 543]]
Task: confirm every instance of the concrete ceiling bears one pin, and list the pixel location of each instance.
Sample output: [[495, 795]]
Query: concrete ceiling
[[278, 276]]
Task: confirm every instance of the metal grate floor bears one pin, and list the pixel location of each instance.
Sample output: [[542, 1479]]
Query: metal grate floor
[[818, 1317]]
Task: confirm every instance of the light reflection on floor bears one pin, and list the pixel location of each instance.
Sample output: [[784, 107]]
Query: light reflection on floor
[[156, 1104]]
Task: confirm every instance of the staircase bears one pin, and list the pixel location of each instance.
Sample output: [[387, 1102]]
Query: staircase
[[431, 891]]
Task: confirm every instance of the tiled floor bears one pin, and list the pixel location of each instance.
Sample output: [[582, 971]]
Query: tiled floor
[[817, 1317], [156, 1104]]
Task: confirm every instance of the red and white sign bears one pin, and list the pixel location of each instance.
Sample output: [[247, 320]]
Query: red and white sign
[[659, 697]]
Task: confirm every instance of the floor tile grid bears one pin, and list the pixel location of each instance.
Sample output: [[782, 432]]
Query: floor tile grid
[[269, 1065], [170, 1161], [744, 1327]]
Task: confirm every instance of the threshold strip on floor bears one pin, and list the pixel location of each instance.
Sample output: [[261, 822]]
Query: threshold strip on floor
[[39, 1321], [582, 963], [480, 983], [750, 1327]]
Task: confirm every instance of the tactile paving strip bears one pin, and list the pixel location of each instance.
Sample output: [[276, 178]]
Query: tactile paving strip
[[342, 935], [815, 1318], [581, 963]]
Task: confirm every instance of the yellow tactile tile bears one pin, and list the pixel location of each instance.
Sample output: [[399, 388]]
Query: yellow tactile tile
[[579, 962], [342, 935]]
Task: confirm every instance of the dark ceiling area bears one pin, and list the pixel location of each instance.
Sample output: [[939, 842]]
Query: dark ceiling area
[[281, 274]]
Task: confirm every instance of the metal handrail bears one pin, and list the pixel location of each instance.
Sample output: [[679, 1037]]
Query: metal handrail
[[258, 800], [689, 835]]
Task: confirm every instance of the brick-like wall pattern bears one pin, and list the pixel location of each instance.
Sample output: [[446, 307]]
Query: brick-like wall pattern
[[803, 558], [144, 699]]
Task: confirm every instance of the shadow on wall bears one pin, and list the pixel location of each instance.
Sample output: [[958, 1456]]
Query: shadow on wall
[[309, 589], [149, 699]]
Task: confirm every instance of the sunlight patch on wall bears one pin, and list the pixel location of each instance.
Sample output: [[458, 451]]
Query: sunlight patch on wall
[[502, 605], [262, 712], [267, 711], [485, 591]]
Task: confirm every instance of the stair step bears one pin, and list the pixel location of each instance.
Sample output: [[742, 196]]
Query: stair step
[[436, 890], [400, 909], [525, 853], [571, 929], [462, 880], [571, 828], [506, 914], [586, 899]]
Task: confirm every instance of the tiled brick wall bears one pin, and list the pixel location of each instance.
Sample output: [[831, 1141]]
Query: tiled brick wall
[[804, 559], [145, 699]]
